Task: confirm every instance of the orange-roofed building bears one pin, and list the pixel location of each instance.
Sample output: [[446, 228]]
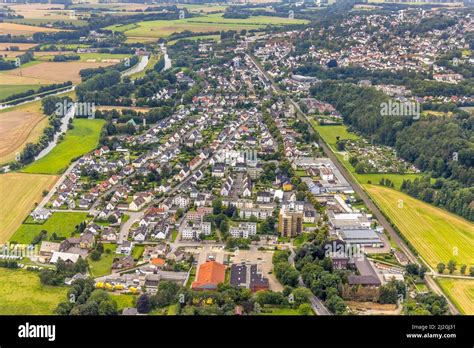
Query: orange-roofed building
[[210, 274], [158, 262]]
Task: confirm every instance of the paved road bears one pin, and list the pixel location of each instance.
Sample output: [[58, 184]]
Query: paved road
[[362, 194], [58, 183], [124, 230], [318, 306]]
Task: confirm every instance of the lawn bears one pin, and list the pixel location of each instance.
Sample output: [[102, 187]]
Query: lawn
[[459, 291], [279, 310], [62, 223], [137, 251], [103, 266], [207, 23], [123, 300], [436, 234], [21, 293], [83, 138], [19, 192]]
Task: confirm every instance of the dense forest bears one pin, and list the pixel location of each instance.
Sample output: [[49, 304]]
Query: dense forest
[[440, 146]]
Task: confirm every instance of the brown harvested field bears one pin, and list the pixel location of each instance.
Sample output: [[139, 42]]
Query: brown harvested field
[[21, 29], [21, 46], [19, 193], [372, 308], [10, 54], [19, 126], [54, 72], [7, 79]]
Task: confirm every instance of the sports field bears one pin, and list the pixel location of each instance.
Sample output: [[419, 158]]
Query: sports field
[[21, 293], [436, 234], [83, 138], [61, 223], [207, 23], [18, 194], [459, 291]]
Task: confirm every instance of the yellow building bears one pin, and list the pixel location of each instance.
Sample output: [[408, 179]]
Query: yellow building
[[290, 222]]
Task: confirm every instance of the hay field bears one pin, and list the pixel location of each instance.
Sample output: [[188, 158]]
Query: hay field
[[436, 234], [19, 192]]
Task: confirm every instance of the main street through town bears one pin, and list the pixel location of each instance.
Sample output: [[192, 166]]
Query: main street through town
[[359, 190]]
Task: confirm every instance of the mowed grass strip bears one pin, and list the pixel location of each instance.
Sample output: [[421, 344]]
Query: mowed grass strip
[[436, 234], [21, 293], [83, 138], [18, 193], [459, 291], [61, 223]]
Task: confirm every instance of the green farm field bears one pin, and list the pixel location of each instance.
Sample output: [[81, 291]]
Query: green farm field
[[83, 138], [459, 291], [62, 223], [21, 293], [8, 90], [208, 23], [436, 234]]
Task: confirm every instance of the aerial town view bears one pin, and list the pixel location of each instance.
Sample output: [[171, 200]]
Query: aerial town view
[[237, 158]]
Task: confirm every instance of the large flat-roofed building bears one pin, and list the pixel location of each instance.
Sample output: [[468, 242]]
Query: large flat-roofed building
[[366, 237], [290, 221], [247, 276], [348, 220], [210, 274]]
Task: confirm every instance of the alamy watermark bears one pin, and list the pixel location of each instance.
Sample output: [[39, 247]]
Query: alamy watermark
[[400, 108], [83, 109]]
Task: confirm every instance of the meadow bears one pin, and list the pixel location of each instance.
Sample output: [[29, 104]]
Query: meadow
[[436, 234], [8, 90], [202, 24], [19, 193], [61, 223], [460, 292], [21, 293], [83, 138]]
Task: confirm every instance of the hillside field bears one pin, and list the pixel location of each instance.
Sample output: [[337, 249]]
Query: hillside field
[[436, 234], [203, 24]]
